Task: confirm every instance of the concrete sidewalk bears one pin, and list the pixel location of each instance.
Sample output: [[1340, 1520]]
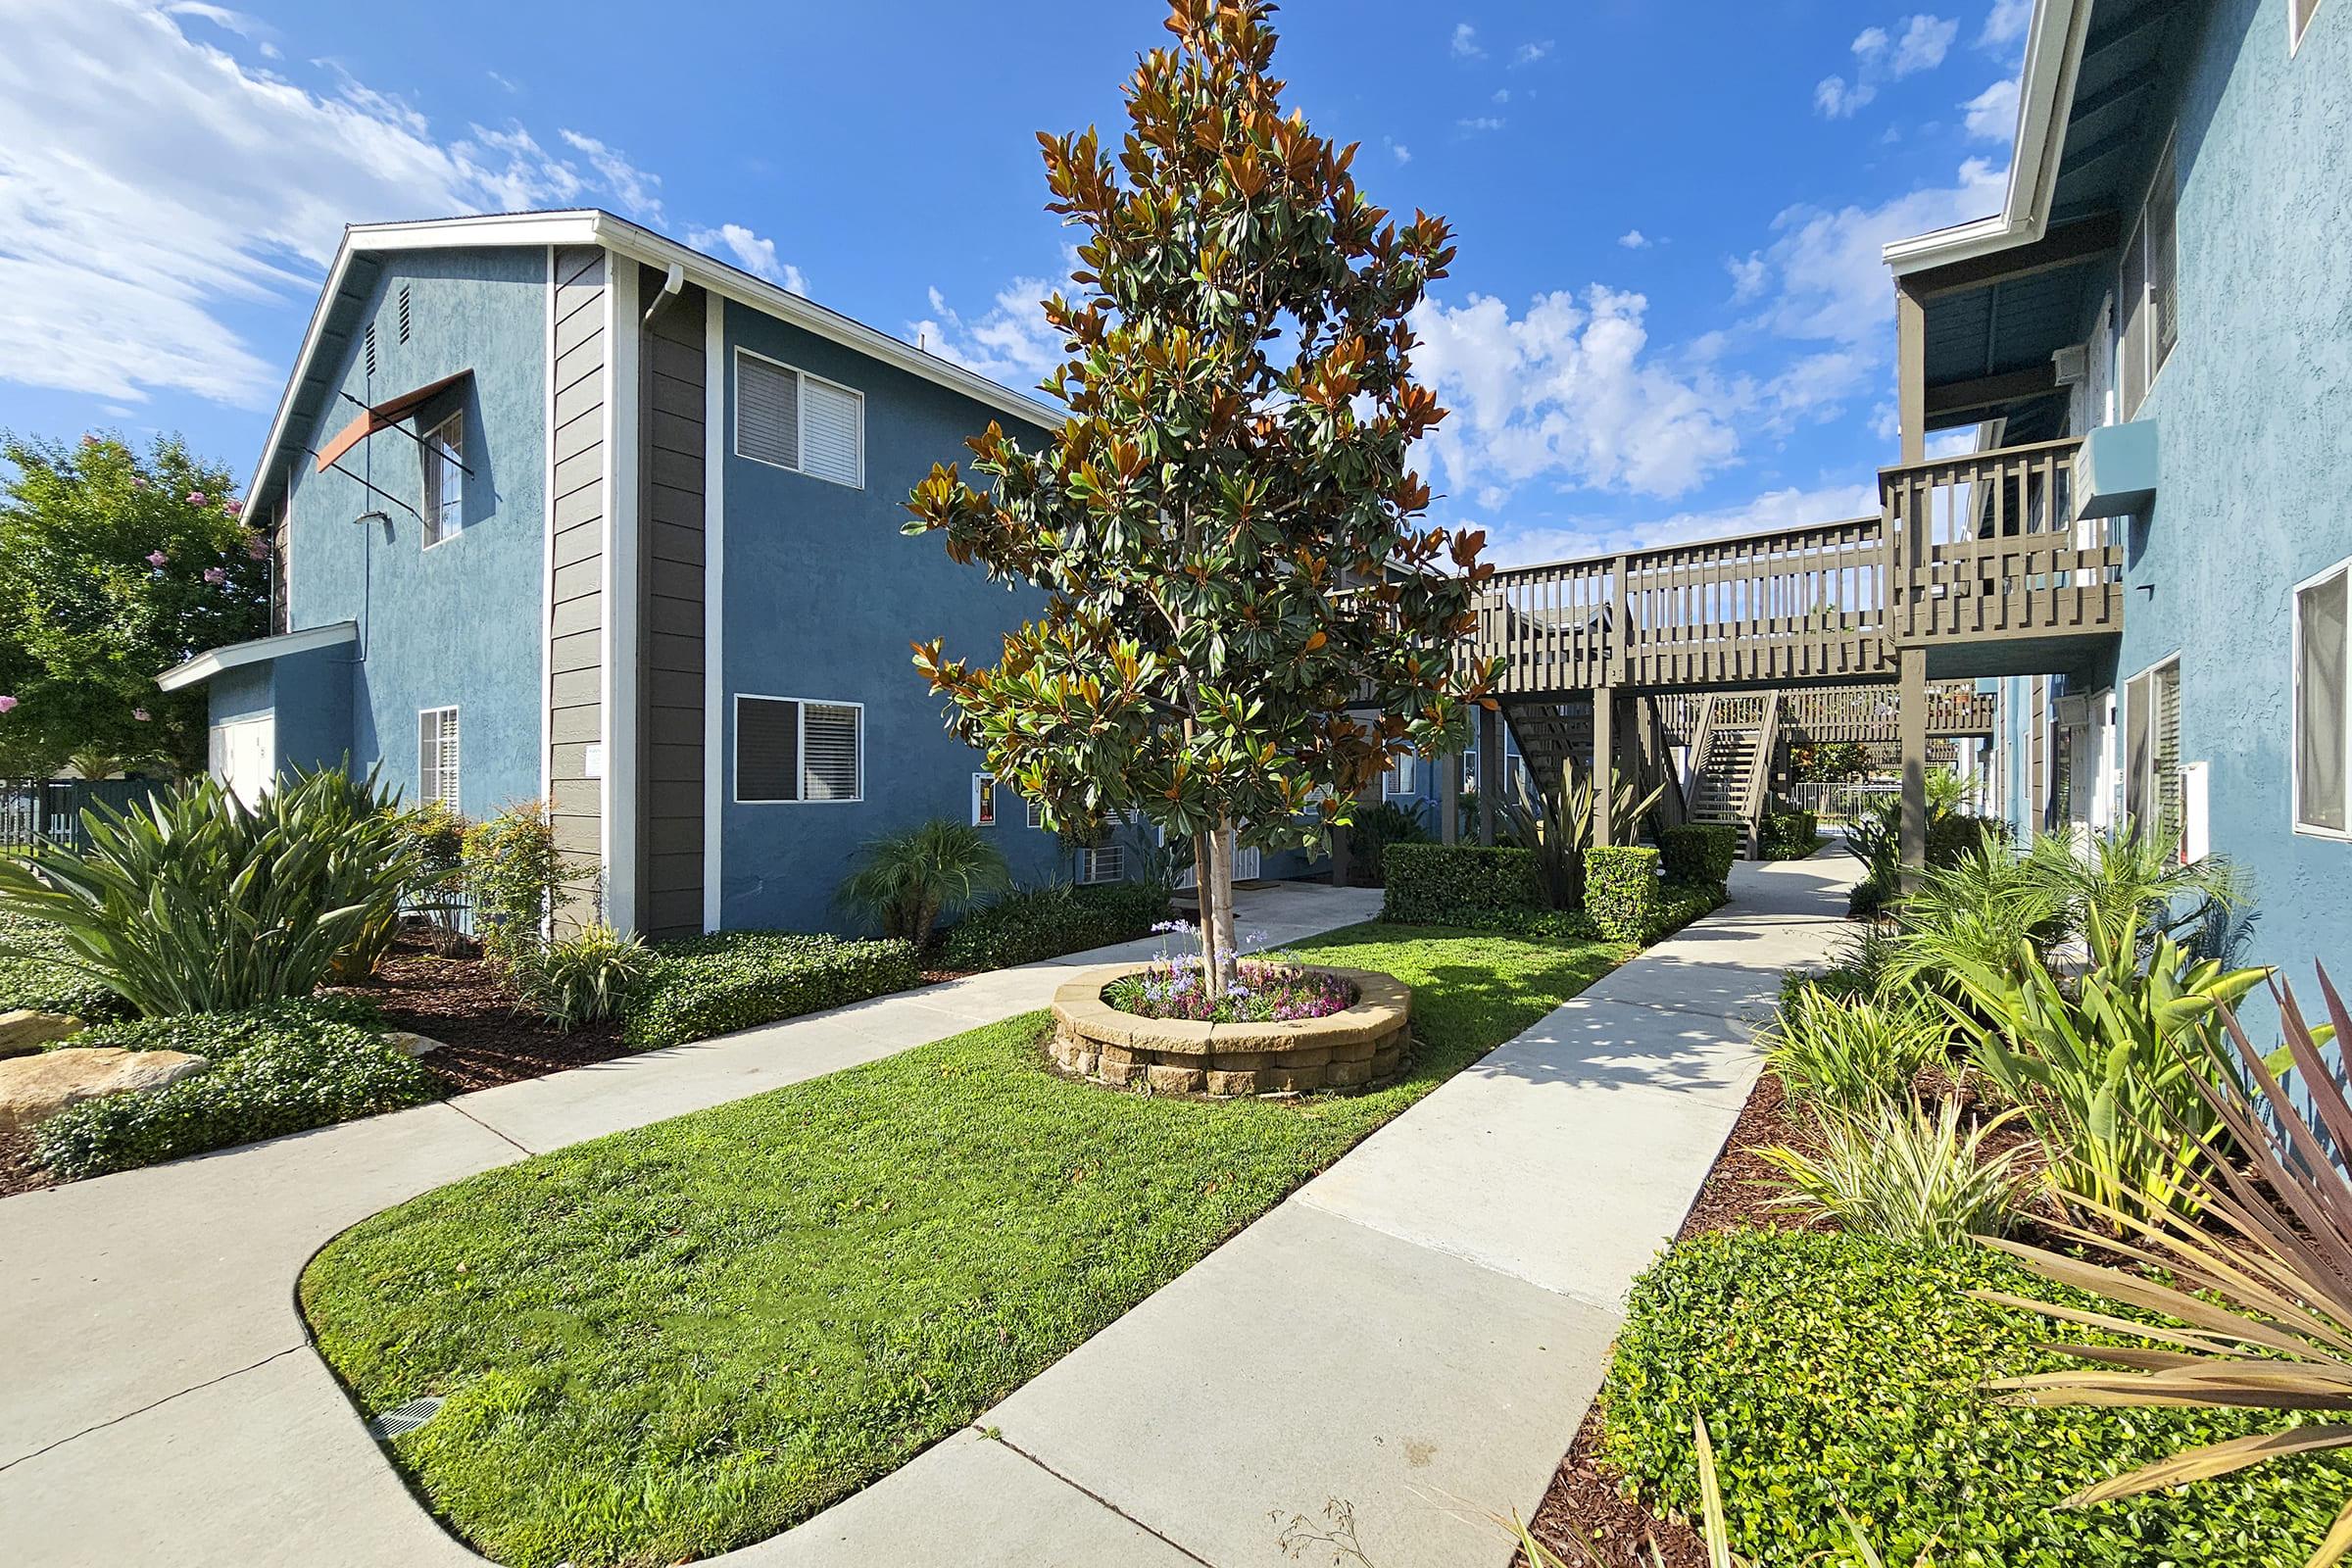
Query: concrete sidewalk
[[1425, 1322]]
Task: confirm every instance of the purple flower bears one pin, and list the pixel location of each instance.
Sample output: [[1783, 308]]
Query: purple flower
[[258, 547], [156, 558], [234, 508], [216, 576], [140, 713], [7, 702], [195, 498]]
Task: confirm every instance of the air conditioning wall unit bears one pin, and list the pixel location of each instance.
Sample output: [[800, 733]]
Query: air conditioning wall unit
[[2071, 366], [2072, 712]]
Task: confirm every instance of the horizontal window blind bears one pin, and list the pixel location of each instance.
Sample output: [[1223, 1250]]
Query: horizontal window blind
[[437, 756], [829, 434], [767, 411], [830, 737]]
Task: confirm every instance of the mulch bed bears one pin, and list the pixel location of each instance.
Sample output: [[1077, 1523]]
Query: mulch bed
[[466, 1004]]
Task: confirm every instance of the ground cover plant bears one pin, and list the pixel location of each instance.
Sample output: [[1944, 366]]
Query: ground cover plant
[[1040, 923], [36, 972], [711, 985], [681, 1339], [1846, 1373]]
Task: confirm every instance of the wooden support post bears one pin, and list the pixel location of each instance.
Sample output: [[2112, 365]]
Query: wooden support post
[[1911, 374], [1490, 772], [1605, 756], [1450, 797], [1911, 724]]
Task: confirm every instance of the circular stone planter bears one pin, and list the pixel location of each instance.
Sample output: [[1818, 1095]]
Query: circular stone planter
[[1363, 1043]]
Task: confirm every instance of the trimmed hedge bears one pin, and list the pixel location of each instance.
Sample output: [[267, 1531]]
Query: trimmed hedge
[[278, 1070], [1041, 924], [1621, 891], [1789, 835], [1840, 1373], [1699, 852], [1462, 884], [714, 985], [29, 976]]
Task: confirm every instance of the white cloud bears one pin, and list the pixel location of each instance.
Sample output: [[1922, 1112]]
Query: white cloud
[[1749, 275], [148, 179], [1633, 239], [752, 252], [1832, 282], [1479, 122], [1992, 112], [1919, 43], [1785, 507], [1011, 342], [1565, 392], [2006, 23], [636, 192], [1503, 95], [1397, 150], [1465, 42], [1527, 54]]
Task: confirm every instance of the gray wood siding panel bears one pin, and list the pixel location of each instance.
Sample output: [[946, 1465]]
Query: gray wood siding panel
[[575, 597], [673, 371]]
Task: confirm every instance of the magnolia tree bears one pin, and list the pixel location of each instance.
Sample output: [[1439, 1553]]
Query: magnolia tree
[[1246, 620], [114, 567]]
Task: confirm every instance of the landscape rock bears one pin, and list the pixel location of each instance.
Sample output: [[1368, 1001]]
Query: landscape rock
[[36, 1087], [25, 1029], [409, 1043]]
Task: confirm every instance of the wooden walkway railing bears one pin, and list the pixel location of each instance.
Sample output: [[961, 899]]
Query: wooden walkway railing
[[1862, 713], [1965, 548]]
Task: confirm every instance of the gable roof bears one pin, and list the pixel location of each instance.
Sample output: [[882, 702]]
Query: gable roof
[[359, 260]]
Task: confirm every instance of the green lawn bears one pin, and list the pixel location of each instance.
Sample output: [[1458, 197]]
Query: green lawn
[[683, 1339]]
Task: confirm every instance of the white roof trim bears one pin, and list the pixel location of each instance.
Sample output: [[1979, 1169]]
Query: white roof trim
[[2045, 94], [207, 665], [594, 226]]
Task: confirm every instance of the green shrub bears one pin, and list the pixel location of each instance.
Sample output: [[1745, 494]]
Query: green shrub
[[905, 881], [1700, 854], [1897, 1172], [1858, 968], [1678, 906], [1853, 1053], [193, 901], [1789, 835], [516, 872], [586, 977], [273, 1070], [1040, 923], [32, 975], [1462, 884], [1369, 836], [1621, 891], [1840, 1371], [714, 985]]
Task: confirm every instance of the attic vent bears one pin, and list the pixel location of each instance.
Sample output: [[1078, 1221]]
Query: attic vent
[[371, 344], [403, 313]]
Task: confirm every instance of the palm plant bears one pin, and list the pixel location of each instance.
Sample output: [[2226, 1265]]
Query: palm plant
[[2131, 876], [194, 901], [1852, 1053], [2259, 1282], [1559, 828], [2104, 1066], [1905, 1174], [1983, 909], [903, 882]]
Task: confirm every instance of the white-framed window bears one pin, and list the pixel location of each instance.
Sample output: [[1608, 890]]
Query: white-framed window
[[984, 799], [793, 749], [1399, 779], [437, 756], [2152, 750], [788, 418], [2298, 21], [1035, 815], [1105, 862], [2323, 744], [445, 479], [2148, 285]]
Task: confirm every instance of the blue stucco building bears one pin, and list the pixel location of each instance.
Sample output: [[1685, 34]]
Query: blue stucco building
[[2169, 285], [565, 510]]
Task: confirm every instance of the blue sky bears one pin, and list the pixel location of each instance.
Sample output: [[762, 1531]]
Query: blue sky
[[1668, 319]]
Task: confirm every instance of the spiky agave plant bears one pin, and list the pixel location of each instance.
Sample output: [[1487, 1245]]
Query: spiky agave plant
[[2260, 1282]]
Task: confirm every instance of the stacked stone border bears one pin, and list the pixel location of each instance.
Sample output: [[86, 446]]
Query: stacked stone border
[[1361, 1044]]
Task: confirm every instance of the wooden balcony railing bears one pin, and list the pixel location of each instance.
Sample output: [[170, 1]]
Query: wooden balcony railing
[[1860, 713], [1984, 546], [1967, 548]]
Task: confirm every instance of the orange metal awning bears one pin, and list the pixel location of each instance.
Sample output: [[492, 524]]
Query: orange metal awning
[[383, 415]]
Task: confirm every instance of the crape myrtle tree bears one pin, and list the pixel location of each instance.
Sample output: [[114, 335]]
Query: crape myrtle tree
[[1246, 620]]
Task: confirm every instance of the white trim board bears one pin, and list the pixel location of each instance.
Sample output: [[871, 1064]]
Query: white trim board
[[716, 764], [212, 661]]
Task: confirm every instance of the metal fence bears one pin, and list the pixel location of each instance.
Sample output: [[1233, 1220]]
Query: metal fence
[[1842, 803], [43, 813]]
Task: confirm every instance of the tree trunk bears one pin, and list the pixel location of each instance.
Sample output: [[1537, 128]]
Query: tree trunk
[[1228, 949], [1204, 845]]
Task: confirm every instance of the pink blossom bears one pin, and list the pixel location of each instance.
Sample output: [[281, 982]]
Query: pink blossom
[[156, 558], [7, 702], [138, 483], [216, 576], [258, 547], [234, 508], [195, 498], [140, 713]]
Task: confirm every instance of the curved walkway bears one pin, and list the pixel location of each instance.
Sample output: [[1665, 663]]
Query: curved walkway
[[1417, 1332]]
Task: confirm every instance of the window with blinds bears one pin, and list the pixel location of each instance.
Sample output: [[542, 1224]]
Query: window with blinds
[[1106, 864], [2148, 287], [787, 749], [2323, 704], [2152, 752], [445, 479], [437, 756], [793, 420], [1037, 814]]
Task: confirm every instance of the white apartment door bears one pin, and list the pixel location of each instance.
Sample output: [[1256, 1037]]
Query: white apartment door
[[242, 754]]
